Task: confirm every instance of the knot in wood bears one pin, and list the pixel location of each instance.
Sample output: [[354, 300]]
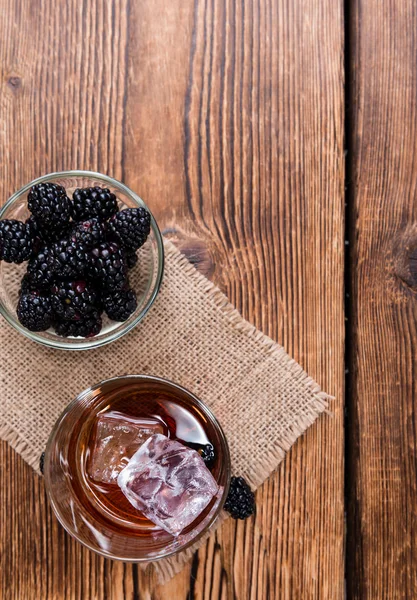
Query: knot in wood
[[405, 256], [195, 249], [14, 82]]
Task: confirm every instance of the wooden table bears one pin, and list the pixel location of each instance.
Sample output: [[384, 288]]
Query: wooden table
[[275, 141]]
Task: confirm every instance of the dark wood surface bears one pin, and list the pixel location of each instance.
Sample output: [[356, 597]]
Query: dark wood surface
[[381, 490], [228, 119]]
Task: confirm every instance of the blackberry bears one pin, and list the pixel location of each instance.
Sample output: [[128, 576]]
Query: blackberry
[[208, 455], [34, 311], [72, 259], [42, 462], [94, 202], [42, 268], [131, 259], [131, 227], [88, 233], [41, 236], [72, 299], [49, 203], [87, 326], [27, 286], [206, 451], [15, 241], [120, 304], [36, 234], [240, 502], [108, 266]]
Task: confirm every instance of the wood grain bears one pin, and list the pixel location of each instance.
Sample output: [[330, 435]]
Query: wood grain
[[228, 119], [382, 447]]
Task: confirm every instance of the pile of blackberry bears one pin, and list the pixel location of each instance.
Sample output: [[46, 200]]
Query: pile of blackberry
[[240, 502], [79, 251]]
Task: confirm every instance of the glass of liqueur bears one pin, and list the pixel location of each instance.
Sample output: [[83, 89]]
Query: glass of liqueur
[[137, 468]]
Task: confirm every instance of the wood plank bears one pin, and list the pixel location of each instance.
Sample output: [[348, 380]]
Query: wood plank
[[228, 119], [246, 125], [382, 490]]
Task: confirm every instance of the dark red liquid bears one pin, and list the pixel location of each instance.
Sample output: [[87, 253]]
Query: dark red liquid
[[181, 420]]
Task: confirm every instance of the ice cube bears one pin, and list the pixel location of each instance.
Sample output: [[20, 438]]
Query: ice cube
[[168, 483], [117, 438]]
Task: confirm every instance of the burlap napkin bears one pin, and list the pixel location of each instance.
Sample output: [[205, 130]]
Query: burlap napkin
[[192, 335]]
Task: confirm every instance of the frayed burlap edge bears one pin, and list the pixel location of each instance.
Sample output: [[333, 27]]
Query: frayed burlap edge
[[167, 568], [20, 446]]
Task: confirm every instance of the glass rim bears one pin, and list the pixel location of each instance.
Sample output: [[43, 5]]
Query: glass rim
[[95, 342], [226, 465]]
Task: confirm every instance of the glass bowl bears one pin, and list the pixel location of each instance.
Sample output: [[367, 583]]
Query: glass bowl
[[145, 277], [69, 490]]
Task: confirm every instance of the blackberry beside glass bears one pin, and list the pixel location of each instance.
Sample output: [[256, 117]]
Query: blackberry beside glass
[[78, 261]]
